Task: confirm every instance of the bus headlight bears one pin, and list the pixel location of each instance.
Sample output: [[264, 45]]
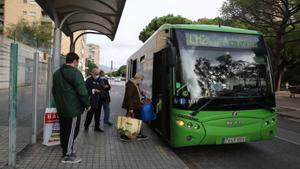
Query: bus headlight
[[273, 120], [267, 122], [180, 122], [189, 124], [196, 126]]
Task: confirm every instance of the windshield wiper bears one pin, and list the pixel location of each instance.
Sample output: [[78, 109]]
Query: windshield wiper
[[202, 107], [264, 106]]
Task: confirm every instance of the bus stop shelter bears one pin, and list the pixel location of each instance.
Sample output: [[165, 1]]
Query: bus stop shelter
[[69, 16]]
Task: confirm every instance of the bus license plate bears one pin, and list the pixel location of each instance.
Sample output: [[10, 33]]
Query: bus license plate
[[229, 140]]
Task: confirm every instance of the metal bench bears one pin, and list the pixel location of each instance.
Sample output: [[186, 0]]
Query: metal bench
[[294, 90]]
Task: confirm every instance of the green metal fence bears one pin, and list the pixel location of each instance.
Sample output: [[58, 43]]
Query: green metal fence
[[19, 124]]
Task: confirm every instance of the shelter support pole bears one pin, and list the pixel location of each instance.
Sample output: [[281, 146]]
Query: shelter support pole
[[35, 97], [49, 81], [13, 81], [83, 33], [56, 49], [72, 49]]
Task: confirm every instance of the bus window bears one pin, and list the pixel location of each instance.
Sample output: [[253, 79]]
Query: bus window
[[222, 66], [134, 66], [142, 59]]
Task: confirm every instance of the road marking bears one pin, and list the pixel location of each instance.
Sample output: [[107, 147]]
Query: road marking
[[287, 140]]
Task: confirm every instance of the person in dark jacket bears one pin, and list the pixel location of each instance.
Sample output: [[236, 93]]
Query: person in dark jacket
[[133, 101], [94, 89], [71, 99], [105, 97]]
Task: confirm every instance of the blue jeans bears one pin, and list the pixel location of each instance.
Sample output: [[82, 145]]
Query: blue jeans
[[106, 109]]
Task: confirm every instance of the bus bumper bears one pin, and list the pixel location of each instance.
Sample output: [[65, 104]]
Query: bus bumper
[[189, 132]]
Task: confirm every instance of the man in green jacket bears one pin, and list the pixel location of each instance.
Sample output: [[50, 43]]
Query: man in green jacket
[[71, 98]]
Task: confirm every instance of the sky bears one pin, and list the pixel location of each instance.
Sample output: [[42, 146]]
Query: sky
[[139, 13]]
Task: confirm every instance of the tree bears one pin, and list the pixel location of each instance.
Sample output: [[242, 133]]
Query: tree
[[90, 65], [277, 19], [35, 34], [224, 22], [292, 75], [1, 16], [292, 59], [1, 25], [121, 71], [157, 22]]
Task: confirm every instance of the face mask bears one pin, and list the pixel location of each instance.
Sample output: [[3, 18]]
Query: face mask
[[97, 76], [141, 82]]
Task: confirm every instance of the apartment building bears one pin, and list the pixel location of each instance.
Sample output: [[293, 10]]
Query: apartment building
[[93, 53], [29, 10]]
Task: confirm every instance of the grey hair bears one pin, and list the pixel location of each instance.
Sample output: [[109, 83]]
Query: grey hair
[[95, 70], [138, 75]]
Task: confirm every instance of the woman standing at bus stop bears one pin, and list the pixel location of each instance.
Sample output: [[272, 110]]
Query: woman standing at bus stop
[[132, 102]]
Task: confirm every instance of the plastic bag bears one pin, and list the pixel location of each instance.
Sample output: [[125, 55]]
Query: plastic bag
[[129, 126], [147, 112], [51, 135]]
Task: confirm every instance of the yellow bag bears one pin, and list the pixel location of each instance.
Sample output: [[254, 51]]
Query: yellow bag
[[128, 126]]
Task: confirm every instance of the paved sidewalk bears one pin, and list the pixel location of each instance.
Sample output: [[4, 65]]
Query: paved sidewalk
[[104, 150], [21, 142], [3, 145], [288, 106]]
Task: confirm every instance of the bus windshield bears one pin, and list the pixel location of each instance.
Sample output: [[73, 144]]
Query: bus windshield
[[221, 66]]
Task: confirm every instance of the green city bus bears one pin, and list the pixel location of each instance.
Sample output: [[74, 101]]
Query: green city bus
[[209, 84]]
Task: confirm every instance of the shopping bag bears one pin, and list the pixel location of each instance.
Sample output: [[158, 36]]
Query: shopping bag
[[129, 126], [51, 134], [147, 112]]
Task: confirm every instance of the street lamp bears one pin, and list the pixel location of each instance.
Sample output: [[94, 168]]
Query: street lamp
[[111, 68]]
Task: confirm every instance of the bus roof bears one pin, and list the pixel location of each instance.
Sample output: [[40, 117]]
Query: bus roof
[[213, 28]]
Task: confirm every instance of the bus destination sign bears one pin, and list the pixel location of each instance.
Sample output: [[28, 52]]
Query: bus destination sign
[[207, 39]]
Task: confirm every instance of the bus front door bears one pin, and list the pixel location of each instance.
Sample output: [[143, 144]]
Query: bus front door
[[160, 93]]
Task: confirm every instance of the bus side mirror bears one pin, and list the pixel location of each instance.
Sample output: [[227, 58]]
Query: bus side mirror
[[171, 56]]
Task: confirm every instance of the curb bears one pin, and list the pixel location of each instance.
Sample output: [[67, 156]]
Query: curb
[[286, 115], [286, 107]]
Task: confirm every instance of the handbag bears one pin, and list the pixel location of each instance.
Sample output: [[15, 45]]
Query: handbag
[[104, 95], [129, 126]]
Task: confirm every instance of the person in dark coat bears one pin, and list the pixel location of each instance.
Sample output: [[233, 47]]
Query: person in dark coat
[[94, 89], [133, 101], [71, 99], [105, 97]]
